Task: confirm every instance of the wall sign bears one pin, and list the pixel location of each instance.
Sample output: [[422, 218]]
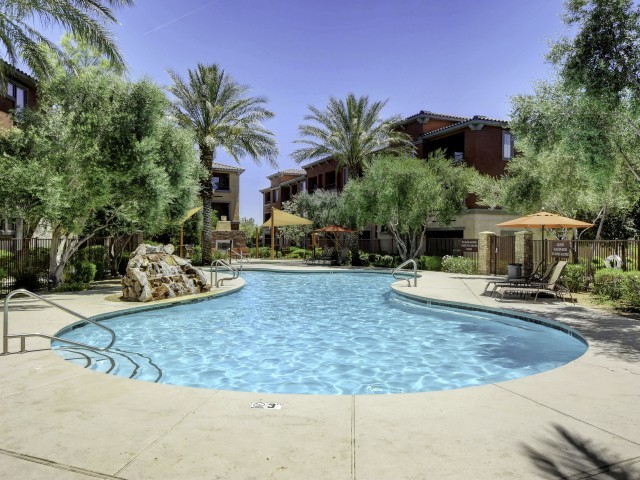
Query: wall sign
[[469, 245]]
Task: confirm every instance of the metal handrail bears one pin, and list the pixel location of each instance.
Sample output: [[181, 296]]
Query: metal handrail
[[214, 269], [23, 336], [415, 272]]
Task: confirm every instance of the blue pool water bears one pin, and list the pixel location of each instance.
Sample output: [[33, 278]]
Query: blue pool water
[[338, 333]]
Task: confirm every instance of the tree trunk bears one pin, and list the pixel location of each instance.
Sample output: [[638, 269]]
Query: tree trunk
[[206, 194], [206, 227]]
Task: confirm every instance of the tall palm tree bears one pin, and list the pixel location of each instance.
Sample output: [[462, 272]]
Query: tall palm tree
[[85, 19], [351, 131], [220, 112]]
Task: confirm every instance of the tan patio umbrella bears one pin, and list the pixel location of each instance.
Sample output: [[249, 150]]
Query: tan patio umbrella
[[281, 219], [544, 220]]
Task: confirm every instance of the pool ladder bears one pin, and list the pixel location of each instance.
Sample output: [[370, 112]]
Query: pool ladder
[[415, 272], [23, 336], [235, 272], [78, 348]]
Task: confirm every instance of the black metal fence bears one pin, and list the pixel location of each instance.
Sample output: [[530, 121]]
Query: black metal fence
[[439, 247], [594, 254], [25, 262]]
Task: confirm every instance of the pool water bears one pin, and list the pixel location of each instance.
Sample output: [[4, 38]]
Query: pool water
[[332, 333]]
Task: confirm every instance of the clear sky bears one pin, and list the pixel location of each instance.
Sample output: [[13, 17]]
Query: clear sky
[[463, 57]]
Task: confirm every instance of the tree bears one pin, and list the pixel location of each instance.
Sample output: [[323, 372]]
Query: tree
[[602, 61], [85, 19], [405, 194], [350, 131], [248, 226], [578, 135], [103, 153], [222, 115]]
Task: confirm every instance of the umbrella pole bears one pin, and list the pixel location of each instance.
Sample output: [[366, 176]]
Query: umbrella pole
[[273, 236], [257, 246]]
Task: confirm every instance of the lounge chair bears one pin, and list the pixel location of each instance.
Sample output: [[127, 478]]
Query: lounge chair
[[552, 287], [534, 278], [326, 256]]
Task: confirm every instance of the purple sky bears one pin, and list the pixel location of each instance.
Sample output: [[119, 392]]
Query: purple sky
[[463, 57]]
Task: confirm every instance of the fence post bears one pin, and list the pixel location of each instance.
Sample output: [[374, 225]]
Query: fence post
[[484, 252], [524, 251]]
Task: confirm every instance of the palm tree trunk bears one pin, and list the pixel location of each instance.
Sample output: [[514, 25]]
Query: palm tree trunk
[[206, 194]]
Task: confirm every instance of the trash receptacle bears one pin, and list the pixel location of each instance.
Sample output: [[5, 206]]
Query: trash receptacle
[[514, 270]]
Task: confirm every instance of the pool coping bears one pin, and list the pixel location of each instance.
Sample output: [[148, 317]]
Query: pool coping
[[53, 412]]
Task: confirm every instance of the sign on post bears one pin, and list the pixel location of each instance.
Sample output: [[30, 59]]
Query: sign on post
[[560, 249]]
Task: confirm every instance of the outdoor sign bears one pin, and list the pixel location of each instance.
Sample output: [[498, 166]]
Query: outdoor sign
[[560, 249], [467, 245]]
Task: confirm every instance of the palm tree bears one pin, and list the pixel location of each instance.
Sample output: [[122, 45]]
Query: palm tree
[[85, 19], [351, 132], [221, 114]]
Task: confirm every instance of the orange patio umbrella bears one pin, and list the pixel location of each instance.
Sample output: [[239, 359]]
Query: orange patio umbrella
[[544, 220]]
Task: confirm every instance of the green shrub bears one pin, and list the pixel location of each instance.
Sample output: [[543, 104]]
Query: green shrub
[[458, 265], [365, 259], [83, 272], [384, 261], [630, 289], [574, 277], [607, 282], [5, 259], [27, 278], [99, 256], [433, 264], [297, 252]]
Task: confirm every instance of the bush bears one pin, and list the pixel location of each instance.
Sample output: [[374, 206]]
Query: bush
[[433, 264], [365, 259], [83, 272], [575, 277], [99, 256], [5, 259], [607, 282], [384, 261], [27, 278], [458, 265], [298, 253], [196, 255], [630, 289]]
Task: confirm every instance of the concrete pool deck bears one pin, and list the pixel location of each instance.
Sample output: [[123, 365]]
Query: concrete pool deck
[[582, 420]]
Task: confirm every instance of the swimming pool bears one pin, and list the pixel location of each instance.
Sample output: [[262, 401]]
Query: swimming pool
[[328, 333]]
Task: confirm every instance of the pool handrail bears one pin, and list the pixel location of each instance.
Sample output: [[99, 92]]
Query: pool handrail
[[415, 272], [23, 336], [235, 273]]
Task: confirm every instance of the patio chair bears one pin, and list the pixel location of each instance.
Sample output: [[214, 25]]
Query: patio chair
[[535, 277], [553, 286], [325, 256], [342, 258]]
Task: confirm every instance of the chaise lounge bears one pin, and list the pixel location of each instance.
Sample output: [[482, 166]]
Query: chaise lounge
[[553, 286]]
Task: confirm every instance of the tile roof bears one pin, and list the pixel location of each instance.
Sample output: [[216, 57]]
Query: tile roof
[[291, 171], [427, 113], [226, 168], [470, 121]]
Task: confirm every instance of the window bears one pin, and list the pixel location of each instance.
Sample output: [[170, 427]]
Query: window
[[18, 95], [302, 186], [345, 176], [221, 182], [267, 198], [458, 157], [276, 196], [507, 146], [330, 180]]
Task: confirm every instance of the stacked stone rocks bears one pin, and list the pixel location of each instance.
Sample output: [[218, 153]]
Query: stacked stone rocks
[[154, 273]]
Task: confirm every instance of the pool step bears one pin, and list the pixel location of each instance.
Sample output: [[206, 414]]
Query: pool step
[[113, 361]]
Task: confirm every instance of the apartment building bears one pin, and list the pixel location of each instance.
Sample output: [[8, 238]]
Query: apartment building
[[480, 142], [226, 195], [20, 92]]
